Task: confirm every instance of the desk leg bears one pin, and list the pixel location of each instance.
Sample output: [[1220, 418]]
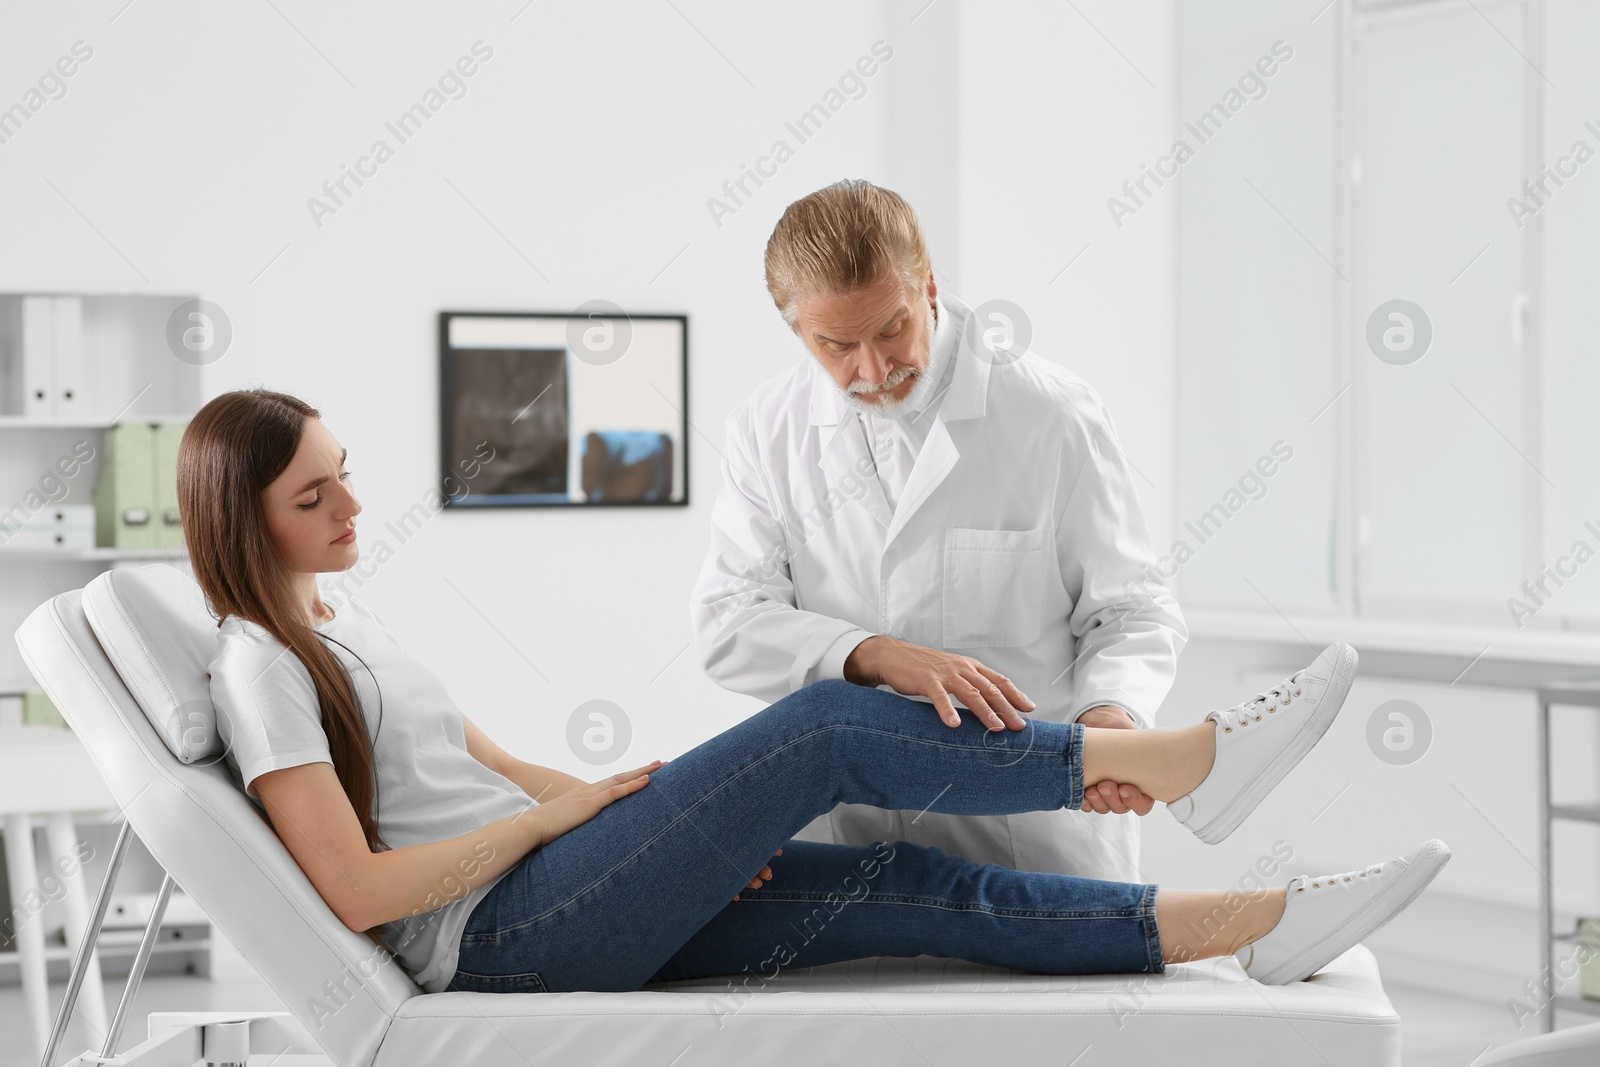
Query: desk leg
[[61, 837], [1547, 933], [22, 875]]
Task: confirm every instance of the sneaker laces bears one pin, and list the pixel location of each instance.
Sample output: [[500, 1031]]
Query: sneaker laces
[[1320, 881], [1268, 701]]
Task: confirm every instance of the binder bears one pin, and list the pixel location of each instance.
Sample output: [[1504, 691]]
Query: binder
[[48, 365], [10, 358], [37, 335], [71, 383]]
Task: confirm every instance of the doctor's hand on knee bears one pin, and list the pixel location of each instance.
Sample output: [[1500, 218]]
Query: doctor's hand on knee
[[912, 670]]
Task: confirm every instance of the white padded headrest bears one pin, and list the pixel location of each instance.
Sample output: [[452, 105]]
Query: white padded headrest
[[159, 633]]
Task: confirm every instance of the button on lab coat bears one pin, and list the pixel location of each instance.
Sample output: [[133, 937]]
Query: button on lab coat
[[1018, 540]]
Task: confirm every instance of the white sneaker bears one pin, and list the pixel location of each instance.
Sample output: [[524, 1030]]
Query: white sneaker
[[1260, 741], [1325, 915]]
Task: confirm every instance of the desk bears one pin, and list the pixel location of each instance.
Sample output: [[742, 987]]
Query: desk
[[1553, 667], [1580, 693], [1479, 656], [45, 771]]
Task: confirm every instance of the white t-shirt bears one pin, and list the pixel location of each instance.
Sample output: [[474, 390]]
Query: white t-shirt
[[429, 786]]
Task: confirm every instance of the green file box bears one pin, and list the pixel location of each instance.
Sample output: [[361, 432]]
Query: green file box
[[136, 499], [169, 524], [125, 499], [38, 710], [1589, 958]]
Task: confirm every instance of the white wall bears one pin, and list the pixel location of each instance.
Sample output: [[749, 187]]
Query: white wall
[[578, 166], [1060, 104], [1054, 114], [591, 141]]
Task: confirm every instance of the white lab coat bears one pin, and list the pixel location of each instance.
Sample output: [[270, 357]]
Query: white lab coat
[[1018, 540]]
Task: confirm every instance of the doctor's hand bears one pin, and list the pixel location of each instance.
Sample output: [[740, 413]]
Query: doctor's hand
[[1108, 716], [1108, 797], [912, 670]]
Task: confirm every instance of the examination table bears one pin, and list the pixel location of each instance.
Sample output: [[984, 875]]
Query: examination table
[[124, 660]]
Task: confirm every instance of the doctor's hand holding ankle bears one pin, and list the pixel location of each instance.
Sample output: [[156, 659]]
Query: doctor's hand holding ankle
[[914, 670], [1108, 797]]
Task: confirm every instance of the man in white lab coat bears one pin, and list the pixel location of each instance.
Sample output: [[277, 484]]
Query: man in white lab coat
[[917, 506]]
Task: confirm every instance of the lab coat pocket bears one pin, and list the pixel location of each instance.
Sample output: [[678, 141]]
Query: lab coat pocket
[[993, 587]]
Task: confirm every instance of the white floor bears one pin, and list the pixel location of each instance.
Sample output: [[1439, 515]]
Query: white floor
[[233, 986], [1450, 1031], [1440, 1030]]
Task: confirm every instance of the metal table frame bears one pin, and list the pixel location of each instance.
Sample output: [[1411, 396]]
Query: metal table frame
[[1579, 693]]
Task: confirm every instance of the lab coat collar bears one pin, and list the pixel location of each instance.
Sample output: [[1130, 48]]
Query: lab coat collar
[[969, 385], [965, 399]]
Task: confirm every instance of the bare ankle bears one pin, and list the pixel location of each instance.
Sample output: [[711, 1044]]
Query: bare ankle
[[1204, 737], [1263, 914], [1166, 764], [1197, 926], [1193, 751]]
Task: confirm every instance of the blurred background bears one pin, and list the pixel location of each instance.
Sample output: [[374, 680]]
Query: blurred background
[[1356, 238]]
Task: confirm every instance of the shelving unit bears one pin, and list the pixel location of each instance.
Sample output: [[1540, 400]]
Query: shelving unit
[[89, 555], [71, 367], [184, 941], [87, 359], [1579, 693], [33, 422], [180, 948]]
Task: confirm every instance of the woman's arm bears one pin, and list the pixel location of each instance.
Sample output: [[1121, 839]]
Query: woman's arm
[[540, 783], [313, 817]]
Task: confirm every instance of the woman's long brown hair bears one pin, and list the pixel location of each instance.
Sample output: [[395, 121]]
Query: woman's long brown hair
[[232, 450]]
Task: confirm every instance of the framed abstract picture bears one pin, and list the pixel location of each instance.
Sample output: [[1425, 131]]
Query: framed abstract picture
[[543, 409]]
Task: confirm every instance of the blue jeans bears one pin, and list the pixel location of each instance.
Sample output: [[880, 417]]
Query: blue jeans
[[645, 889]]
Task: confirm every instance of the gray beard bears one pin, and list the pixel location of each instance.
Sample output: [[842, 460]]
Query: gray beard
[[921, 389]]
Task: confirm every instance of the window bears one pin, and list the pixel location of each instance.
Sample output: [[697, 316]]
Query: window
[[1380, 162]]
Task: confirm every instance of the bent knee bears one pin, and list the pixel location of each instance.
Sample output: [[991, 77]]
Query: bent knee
[[836, 701], [833, 690], [819, 699], [831, 702]]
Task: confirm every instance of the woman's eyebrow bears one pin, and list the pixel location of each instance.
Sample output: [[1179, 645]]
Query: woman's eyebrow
[[319, 480]]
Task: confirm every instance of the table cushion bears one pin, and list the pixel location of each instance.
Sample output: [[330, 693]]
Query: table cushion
[[163, 659], [920, 1011]]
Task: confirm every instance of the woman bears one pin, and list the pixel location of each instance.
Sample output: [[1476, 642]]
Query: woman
[[482, 872]]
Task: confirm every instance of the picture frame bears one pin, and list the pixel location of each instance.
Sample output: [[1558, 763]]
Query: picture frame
[[588, 408]]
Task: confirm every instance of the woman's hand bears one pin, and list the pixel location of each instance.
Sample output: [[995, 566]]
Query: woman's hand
[[764, 873], [581, 803]]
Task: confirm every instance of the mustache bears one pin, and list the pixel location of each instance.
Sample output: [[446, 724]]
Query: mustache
[[895, 377]]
